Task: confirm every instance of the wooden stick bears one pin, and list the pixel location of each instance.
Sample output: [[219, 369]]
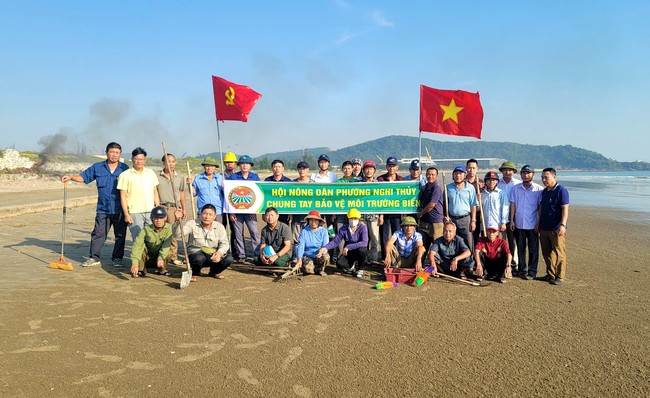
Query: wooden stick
[[180, 220], [189, 175], [480, 205], [444, 185], [458, 279]]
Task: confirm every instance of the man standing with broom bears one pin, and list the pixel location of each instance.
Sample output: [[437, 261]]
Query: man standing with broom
[[109, 211]]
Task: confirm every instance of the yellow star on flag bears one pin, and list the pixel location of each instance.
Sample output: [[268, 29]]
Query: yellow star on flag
[[451, 111]]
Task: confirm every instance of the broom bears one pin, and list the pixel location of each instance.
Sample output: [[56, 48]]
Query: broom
[[62, 263]]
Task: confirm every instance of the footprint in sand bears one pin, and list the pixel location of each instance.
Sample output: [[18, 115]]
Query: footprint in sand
[[251, 345], [47, 348], [334, 299], [240, 337], [301, 391], [293, 354], [100, 376], [143, 366], [105, 358], [329, 314], [321, 327], [283, 333], [211, 349], [35, 324], [247, 376]]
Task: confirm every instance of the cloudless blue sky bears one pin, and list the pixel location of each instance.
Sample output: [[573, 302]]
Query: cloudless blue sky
[[331, 73]]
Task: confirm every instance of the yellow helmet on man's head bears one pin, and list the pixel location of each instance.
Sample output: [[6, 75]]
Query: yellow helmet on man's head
[[230, 157], [354, 213]]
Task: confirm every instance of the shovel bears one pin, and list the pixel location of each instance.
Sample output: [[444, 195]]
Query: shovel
[[186, 276], [62, 263]]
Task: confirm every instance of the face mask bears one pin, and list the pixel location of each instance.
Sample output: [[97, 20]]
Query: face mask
[[354, 223]]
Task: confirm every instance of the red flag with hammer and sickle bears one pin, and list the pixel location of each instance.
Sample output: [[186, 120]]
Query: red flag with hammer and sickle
[[233, 101]]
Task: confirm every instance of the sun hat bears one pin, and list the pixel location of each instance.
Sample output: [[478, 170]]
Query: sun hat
[[209, 161], [314, 215], [491, 175], [408, 220], [369, 163], [508, 165], [245, 159], [460, 168]]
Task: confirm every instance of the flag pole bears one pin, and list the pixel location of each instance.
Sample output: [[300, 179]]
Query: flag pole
[[420, 150]]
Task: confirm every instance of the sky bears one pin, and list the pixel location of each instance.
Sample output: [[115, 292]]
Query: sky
[[75, 75]]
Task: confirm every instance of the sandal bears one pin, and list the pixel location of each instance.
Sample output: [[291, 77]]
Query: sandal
[[163, 272], [194, 278], [219, 276]]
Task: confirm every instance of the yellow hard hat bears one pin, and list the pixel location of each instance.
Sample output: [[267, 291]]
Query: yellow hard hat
[[230, 157], [354, 213]]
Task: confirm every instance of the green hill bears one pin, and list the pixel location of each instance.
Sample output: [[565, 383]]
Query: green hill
[[539, 156]]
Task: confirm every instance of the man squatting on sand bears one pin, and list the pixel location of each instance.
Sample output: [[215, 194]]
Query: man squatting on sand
[[524, 211]]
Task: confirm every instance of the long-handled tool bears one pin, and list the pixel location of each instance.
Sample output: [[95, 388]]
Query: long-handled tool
[[62, 263], [191, 189], [186, 276], [458, 279]]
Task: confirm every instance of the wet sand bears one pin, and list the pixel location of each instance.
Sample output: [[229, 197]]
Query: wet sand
[[95, 332]]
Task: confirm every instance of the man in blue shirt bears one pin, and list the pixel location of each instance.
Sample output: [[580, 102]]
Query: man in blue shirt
[[277, 166], [461, 198], [431, 212], [553, 215], [245, 163], [405, 249], [109, 211], [208, 188]]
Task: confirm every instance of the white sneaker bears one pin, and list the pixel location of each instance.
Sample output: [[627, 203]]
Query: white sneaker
[[90, 263], [360, 274]]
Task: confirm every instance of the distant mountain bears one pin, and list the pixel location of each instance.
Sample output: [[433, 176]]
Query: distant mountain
[[539, 156]]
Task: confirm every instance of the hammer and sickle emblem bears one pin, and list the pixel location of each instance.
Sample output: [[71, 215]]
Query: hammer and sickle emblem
[[230, 96]]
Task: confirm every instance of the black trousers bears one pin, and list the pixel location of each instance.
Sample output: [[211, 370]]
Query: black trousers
[[494, 267], [103, 224], [200, 260], [360, 255]]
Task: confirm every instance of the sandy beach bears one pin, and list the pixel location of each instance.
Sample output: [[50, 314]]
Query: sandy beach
[[96, 332]]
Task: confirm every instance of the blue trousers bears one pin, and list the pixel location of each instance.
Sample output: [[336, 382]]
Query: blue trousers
[[103, 223]]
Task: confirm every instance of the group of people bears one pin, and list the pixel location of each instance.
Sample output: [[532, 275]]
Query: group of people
[[469, 228]]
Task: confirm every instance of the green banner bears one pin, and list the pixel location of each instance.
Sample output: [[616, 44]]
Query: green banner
[[336, 198]]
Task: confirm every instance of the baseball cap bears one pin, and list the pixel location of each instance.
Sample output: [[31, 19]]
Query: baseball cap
[[526, 169], [302, 165], [460, 168], [323, 157], [493, 227], [356, 161], [391, 161], [369, 163], [415, 165], [491, 175]]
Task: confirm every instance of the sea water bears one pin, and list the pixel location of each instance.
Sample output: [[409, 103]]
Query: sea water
[[619, 190]]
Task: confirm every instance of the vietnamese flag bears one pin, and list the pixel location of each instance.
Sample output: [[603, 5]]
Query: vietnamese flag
[[452, 112], [233, 101]]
